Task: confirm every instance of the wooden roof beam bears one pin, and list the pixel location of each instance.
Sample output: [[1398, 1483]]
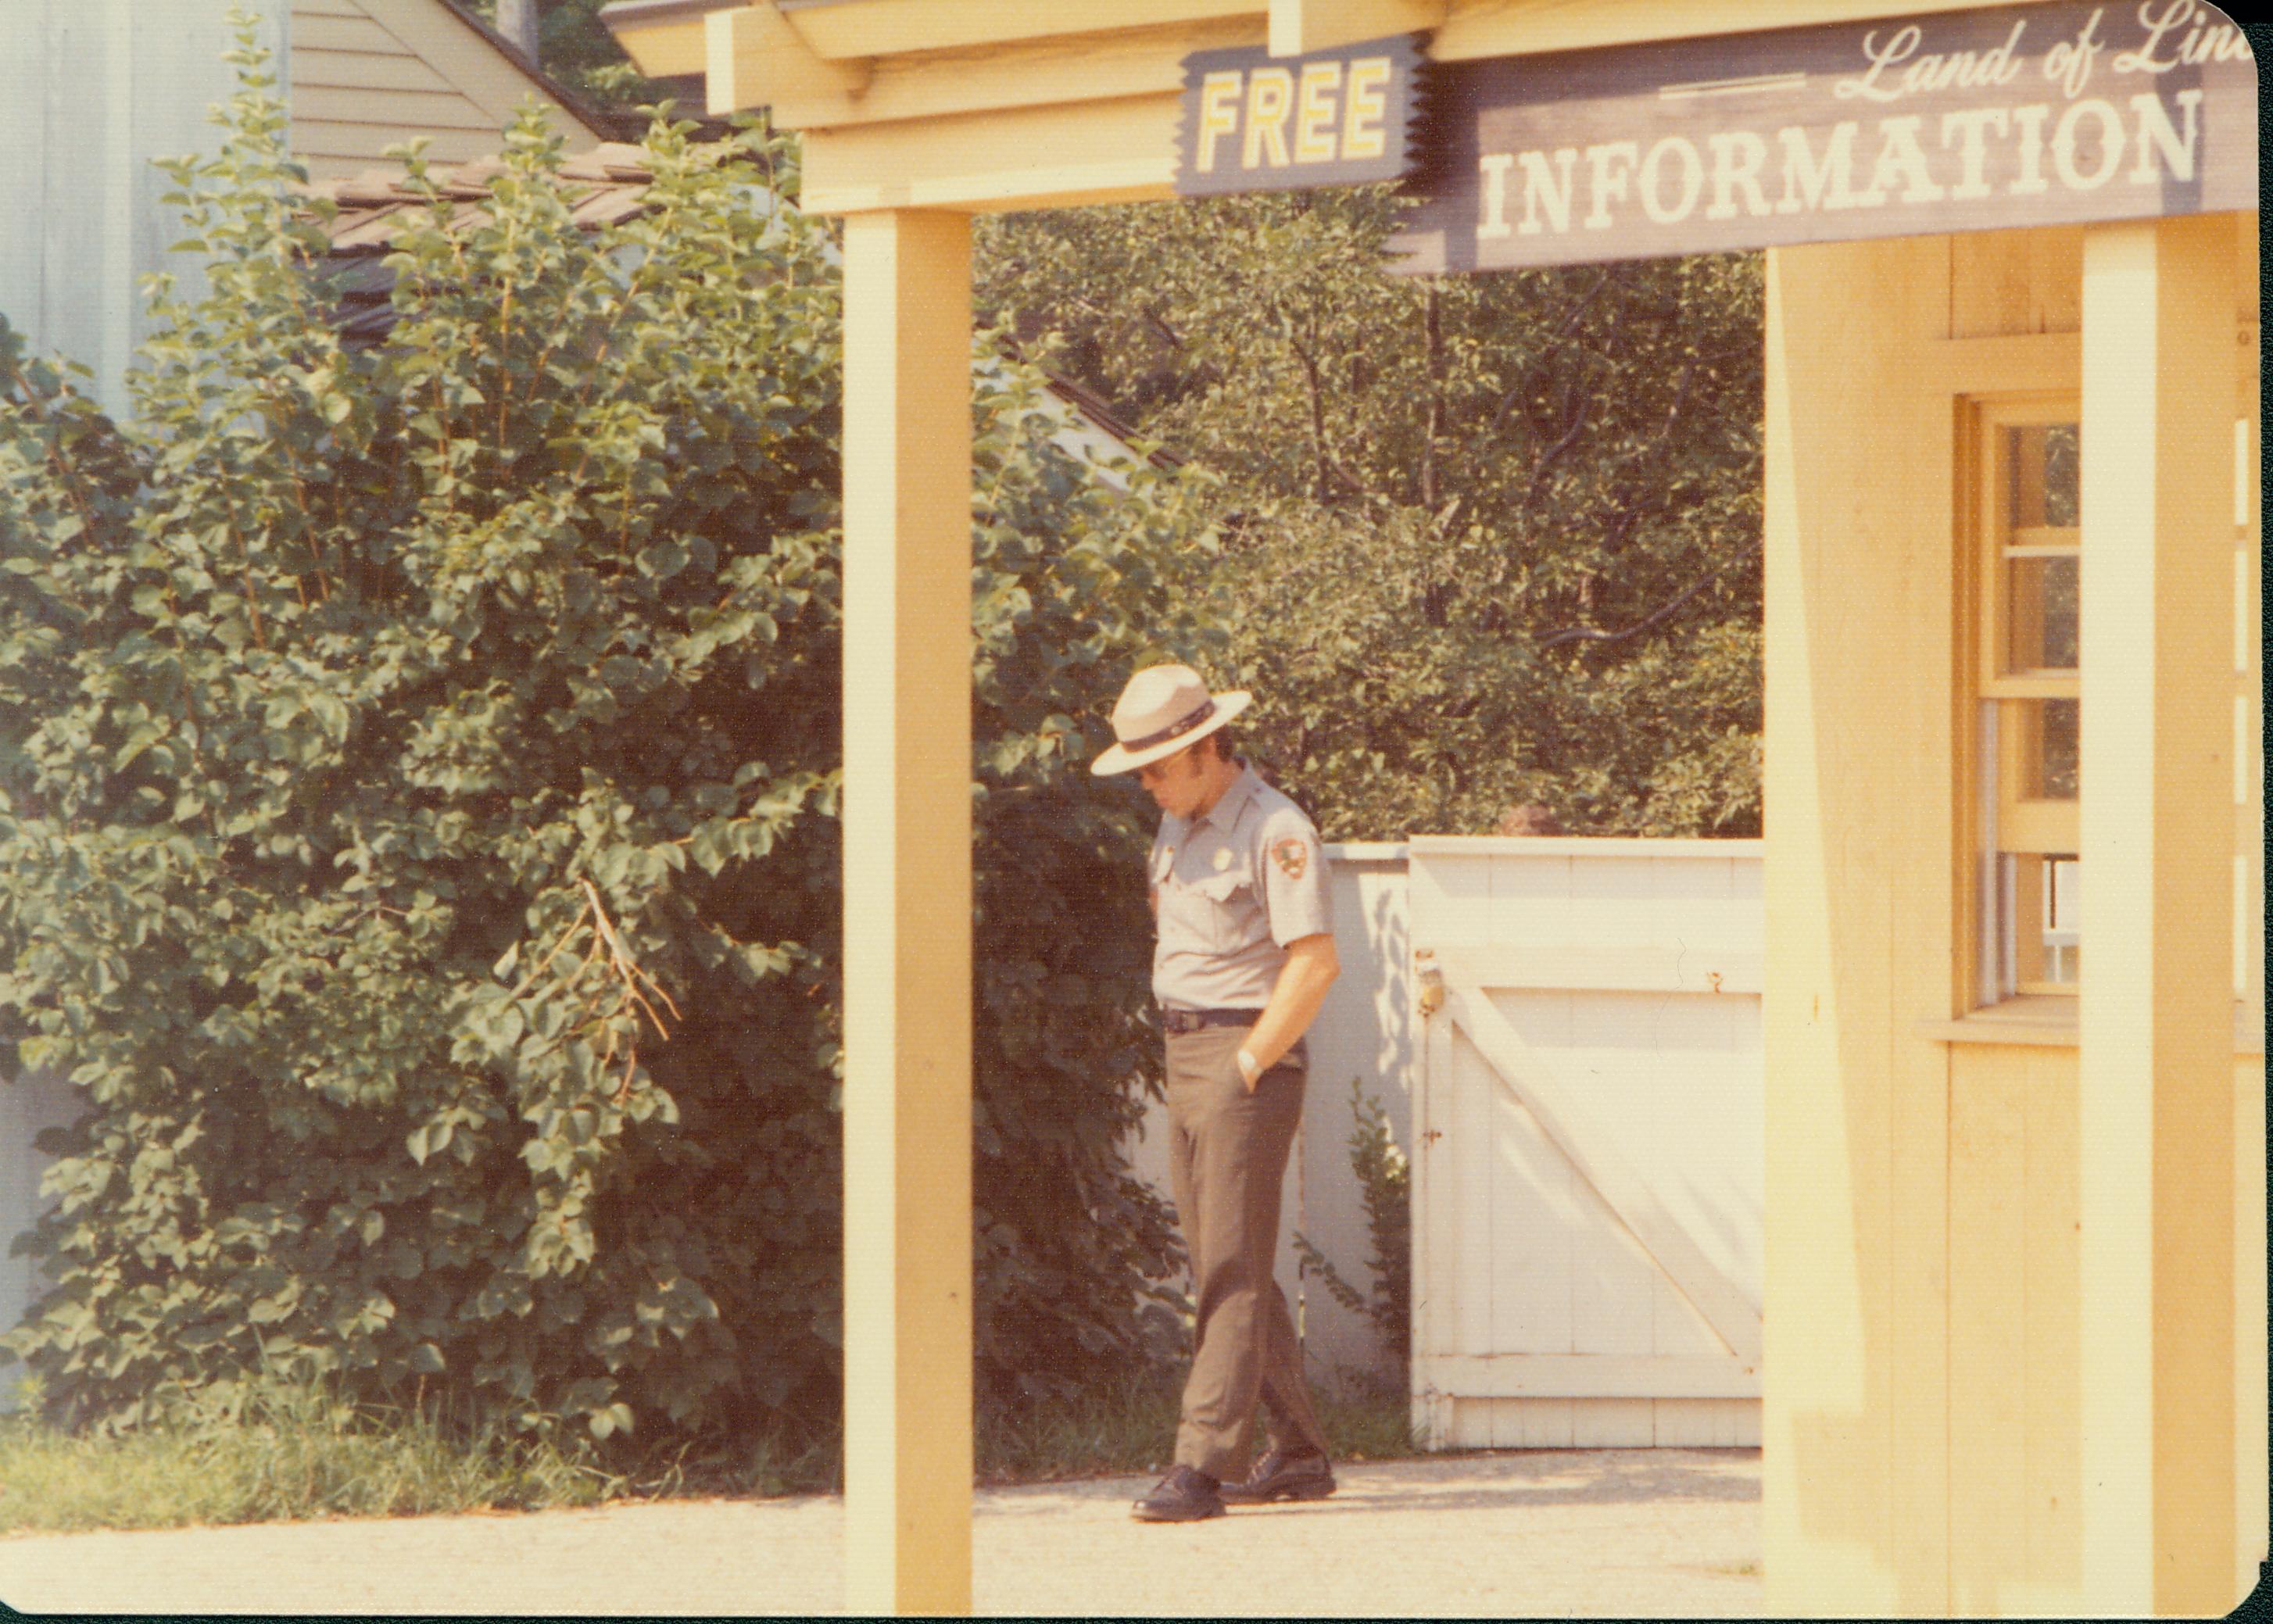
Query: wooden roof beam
[[1117, 151], [1147, 61], [758, 58], [842, 29], [664, 38], [1482, 28], [1298, 26]]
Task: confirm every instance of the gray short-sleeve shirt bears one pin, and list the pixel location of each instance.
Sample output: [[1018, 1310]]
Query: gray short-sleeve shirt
[[1231, 888]]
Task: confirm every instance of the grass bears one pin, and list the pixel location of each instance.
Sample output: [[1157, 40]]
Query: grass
[[1132, 1428], [293, 1452], [299, 1453]]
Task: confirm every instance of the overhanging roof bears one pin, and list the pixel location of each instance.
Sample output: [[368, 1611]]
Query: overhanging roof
[[1027, 103]]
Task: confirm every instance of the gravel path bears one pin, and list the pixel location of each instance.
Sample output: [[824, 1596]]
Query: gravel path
[[1648, 1532]]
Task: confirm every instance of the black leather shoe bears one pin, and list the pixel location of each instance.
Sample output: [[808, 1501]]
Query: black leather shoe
[[1185, 1496], [1281, 1476]]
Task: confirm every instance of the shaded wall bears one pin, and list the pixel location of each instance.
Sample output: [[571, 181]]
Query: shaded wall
[[1923, 1376], [90, 92]]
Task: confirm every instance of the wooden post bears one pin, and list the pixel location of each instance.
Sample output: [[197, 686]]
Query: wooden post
[[907, 913], [2156, 984]]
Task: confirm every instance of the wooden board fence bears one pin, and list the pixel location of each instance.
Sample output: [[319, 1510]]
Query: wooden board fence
[[1587, 1124]]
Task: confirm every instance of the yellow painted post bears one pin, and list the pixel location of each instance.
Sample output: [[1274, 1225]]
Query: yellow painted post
[[907, 913], [2156, 984]]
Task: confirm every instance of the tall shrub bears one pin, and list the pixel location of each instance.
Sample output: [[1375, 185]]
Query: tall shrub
[[418, 777]]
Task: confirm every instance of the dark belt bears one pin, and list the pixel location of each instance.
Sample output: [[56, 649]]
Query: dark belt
[[1176, 1022]]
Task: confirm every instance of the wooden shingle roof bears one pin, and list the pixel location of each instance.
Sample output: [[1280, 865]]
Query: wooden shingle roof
[[608, 184]]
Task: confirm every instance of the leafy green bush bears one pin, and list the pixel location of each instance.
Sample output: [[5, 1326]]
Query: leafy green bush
[[418, 773]]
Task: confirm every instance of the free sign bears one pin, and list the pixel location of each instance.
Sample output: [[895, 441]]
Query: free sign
[[1255, 123]]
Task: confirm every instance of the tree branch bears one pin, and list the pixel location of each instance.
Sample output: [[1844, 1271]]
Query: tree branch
[[1330, 468], [1432, 327], [1311, 383], [1578, 308], [1656, 617], [1545, 459]]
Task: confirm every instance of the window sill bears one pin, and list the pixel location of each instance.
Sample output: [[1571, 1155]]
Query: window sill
[[2045, 1021]]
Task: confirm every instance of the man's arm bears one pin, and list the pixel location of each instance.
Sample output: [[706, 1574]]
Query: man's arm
[[1310, 968]]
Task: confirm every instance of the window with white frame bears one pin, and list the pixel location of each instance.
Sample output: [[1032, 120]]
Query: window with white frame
[[2024, 461]]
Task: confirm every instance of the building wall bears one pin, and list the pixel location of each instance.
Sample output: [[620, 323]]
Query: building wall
[[91, 91], [1921, 1444], [27, 1106], [367, 74]]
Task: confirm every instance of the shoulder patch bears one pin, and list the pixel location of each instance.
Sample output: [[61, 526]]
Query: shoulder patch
[[1293, 856]]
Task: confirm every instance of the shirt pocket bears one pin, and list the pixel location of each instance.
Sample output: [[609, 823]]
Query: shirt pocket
[[1228, 909]]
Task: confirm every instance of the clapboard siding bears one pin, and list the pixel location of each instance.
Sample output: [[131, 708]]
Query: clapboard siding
[[319, 106], [351, 31], [365, 145], [377, 71], [371, 74]]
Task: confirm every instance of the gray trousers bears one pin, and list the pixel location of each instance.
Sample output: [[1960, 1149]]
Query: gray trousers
[[1226, 1160]]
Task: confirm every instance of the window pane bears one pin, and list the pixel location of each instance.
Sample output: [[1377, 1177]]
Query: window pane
[[2042, 593], [2031, 627], [2043, 460], [2044, 753], [2036, 927], [2057, 753]]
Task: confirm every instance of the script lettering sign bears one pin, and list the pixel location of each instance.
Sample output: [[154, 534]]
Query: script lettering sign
[[1256, 122], [2049, 114]]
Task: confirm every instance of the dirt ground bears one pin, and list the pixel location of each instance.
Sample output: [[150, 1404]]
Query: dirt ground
[[1646, 1532]]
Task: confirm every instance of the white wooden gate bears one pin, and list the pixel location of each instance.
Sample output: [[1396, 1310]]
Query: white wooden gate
[[1586, 1131]]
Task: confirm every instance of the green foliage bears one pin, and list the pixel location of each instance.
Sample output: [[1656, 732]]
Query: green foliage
[[396, 744], [574, 47], [1385, 1179], [1486, 539], [279, 1450], [275, 1450]]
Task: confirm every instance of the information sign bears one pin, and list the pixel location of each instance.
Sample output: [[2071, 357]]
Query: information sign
[[2031, 115]]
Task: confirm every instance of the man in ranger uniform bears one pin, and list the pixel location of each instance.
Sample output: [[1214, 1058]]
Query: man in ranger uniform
[[1245, 955]]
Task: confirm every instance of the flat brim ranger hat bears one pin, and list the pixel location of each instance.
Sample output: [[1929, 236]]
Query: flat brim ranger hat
[[1164, 708]]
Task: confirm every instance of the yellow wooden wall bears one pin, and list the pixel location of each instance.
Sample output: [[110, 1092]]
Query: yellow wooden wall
[[1922, 1447], [366, 74]]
